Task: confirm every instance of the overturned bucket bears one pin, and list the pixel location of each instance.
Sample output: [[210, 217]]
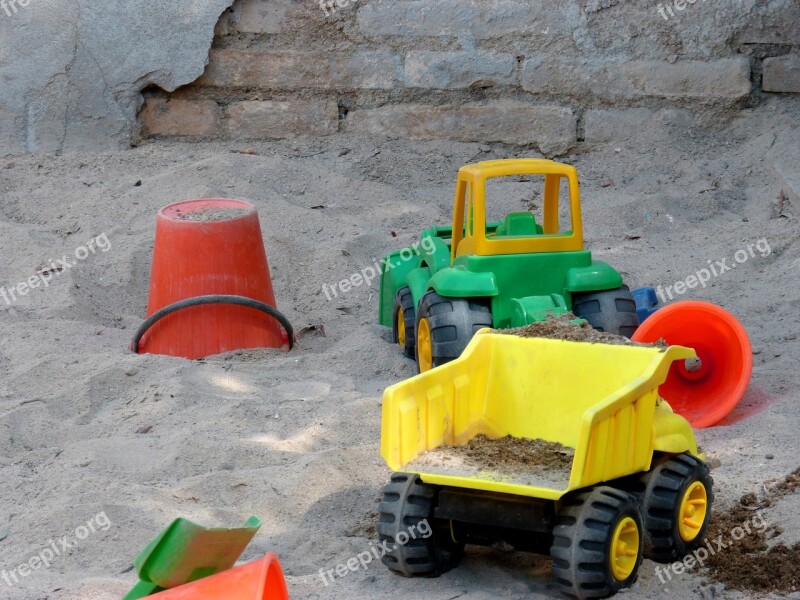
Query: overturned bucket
[[704, 391], [210, 284], [259, 580]]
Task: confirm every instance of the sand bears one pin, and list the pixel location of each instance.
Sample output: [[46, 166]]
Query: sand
[[206, 215], [294, 438], [757, 561], [521, 461], [562, 327]]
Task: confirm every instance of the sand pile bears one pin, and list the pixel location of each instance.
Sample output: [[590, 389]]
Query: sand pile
[[87, 428], [560, 327], [757, 562]]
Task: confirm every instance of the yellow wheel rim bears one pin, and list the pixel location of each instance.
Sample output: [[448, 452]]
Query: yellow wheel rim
[[401, 328], [624, 549], [424, 350], [693, 511]]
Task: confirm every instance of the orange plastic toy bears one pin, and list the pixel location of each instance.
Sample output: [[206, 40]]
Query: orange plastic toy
[[210, 285], [259, 580], [703, 392]]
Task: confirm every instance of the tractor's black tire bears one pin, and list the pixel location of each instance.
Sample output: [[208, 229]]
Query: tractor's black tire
[[582, 542], [407, 507], [661, 507], [452, 323], [612, 311], [405, 302]]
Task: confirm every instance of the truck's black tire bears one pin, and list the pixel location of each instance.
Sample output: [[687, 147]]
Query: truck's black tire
[[612, 311], [449, 324], [664, 503], [403, 301], [407, 503], [588, 561]]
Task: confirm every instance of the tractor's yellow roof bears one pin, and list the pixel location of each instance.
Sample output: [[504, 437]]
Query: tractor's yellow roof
[[515, 166]]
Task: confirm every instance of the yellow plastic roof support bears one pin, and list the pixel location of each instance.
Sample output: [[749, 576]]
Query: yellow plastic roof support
[[516, 166], [469, 215], [596, 398]]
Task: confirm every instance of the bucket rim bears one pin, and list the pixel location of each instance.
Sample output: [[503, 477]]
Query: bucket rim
[[171, 212]]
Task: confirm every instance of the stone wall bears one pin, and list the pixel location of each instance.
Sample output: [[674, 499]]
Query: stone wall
[[543, 73], [71, 73]]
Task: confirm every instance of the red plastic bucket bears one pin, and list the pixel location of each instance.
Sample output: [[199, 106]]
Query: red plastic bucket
[[706, 393], [259, 580], [209, 254]]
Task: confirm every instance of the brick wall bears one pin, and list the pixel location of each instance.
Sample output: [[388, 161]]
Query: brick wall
[[543, 74]]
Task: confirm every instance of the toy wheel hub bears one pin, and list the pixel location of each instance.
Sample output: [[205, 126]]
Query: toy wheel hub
[[624, 549], [424, 348], [401, 328], [693, 510]]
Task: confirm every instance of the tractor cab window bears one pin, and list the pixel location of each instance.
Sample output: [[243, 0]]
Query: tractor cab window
[[466, 210], [515, 206]]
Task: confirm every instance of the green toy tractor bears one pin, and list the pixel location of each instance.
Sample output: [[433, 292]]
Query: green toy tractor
[[457, 280]]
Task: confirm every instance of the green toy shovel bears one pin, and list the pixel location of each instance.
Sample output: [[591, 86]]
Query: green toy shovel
[[185, 552]]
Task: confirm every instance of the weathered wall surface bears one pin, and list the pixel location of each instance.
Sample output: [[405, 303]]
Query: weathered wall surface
[[544, 73], [71, 71]]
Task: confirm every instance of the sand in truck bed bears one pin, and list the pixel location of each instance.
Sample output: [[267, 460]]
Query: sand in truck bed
[[559, 327], [511, 460]]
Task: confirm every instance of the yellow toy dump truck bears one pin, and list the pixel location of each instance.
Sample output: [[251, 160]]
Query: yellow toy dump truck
[[605, 472]]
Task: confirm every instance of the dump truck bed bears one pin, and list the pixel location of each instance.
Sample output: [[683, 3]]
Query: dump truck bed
[[532, 463], [598, 400]]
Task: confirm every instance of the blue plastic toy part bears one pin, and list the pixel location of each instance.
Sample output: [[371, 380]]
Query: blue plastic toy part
[[646, 302]]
